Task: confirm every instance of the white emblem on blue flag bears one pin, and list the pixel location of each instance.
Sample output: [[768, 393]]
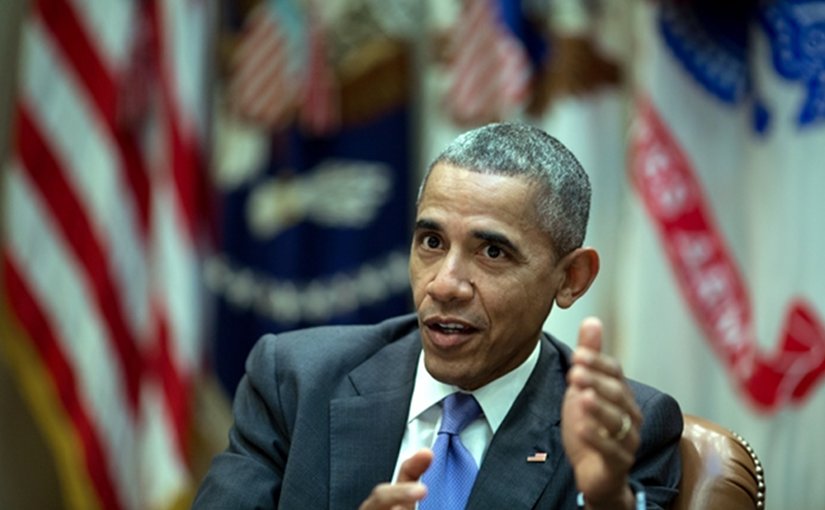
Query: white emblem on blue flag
[[797, 34]]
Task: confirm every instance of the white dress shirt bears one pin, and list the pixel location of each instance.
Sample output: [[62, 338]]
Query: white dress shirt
[[495, 399]]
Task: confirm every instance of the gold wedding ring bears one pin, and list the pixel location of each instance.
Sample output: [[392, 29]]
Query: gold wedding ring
[[622, 433]]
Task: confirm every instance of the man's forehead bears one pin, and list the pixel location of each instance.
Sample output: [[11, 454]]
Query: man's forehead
[[445, 180], [449, 169]]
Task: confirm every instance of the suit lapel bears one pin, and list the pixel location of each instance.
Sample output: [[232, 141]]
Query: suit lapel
[[506, 479], [368, 420]]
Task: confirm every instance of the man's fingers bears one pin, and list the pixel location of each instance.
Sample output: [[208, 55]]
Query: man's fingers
[[613, 421], [599, 390], [610, 387], [617, 454], [596, 362], [600, 424]]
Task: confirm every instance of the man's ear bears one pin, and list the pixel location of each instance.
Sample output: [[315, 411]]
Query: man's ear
[[578, 268]]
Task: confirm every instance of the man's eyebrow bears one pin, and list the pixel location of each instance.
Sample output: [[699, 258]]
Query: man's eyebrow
[[496, 238], [425, 224]]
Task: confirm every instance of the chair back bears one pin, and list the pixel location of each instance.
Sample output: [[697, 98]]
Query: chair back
[[719, 469]]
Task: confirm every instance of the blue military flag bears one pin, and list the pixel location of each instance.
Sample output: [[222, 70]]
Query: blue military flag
[[313, 165]]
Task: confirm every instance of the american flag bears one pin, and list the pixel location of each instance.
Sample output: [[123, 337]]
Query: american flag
[[489, 67], [264, 84], [280, 70], [100, 259]]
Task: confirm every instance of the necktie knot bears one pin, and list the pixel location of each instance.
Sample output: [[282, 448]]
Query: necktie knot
[[459, 410]]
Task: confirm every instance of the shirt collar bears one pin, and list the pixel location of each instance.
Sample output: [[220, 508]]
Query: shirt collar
[[495, 398]]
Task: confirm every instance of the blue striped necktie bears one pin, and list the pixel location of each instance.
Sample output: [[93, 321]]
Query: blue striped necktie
[[450, 477]]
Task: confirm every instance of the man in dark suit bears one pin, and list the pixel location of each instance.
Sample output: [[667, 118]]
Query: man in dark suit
[[346, 417]]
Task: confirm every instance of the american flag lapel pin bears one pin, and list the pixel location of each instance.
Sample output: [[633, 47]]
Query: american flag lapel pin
[[537, 457]]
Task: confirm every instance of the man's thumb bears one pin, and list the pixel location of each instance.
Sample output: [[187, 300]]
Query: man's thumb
[[590, 334], [412, 468]]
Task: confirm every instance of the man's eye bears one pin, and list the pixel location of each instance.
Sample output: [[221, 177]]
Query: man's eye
[[493, 252], [431, 242]]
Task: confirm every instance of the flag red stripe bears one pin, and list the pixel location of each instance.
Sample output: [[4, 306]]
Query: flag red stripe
[[136, 175], [77, 50], [185, 162], [35, 323], [70, 215]]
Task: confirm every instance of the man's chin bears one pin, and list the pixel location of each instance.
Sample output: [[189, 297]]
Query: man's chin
[[448, 372]]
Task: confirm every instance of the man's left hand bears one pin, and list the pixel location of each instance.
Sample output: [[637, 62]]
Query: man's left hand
[[600, 423]]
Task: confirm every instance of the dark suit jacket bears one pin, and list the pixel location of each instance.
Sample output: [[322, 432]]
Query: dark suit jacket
[[320, 415]]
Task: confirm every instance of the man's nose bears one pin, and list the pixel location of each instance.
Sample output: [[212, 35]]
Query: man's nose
[[451, 281]]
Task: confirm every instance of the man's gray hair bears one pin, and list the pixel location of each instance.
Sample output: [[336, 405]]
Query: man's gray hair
[[563, 194]]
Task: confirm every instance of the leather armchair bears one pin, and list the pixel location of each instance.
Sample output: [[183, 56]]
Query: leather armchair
[[719, 469]]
